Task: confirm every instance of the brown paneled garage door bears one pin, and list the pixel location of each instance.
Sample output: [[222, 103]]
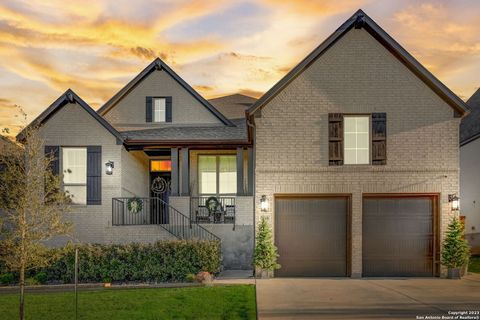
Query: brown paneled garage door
[[398, 236], [311, 236]]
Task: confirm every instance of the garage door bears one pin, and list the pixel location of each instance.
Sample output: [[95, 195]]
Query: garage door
[[311, 236], [398, 236]]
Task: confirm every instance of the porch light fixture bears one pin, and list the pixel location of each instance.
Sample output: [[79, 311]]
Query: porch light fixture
[[109, 167], [455, 201], [264, 203]]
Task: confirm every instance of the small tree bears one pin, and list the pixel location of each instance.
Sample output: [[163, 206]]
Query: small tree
[[455, 249], [33, 206], [265, 255]]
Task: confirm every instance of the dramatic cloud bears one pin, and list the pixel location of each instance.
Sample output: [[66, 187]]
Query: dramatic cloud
[[219, 47]]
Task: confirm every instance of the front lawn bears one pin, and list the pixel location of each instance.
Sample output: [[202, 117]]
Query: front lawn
[[474, 265], [217, 302]]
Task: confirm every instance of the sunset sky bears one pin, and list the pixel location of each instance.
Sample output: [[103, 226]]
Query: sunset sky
[[96, 46]]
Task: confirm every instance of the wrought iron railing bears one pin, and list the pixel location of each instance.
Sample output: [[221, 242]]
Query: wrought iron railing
[[145, 211], [213, 209]]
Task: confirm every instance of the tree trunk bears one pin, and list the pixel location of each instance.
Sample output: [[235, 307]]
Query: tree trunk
[[22, 293]]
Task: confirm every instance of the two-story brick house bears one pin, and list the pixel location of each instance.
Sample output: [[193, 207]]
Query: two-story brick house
[[355, 151]]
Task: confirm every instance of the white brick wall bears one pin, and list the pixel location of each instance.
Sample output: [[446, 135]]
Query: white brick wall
[[357, 75]]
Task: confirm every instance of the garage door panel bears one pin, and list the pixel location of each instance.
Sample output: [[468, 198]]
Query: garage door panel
[[398, 236], [310, 234]]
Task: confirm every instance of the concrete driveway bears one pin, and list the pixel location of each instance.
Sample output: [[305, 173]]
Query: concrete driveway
[[302, 298]]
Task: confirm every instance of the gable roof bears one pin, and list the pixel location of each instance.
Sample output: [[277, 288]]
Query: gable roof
[[158, 64], [233, 106], [470, 125], [361, 20], [70, 97]]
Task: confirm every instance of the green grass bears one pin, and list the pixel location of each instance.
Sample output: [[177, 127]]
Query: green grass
[[474, 265], [218, 302]]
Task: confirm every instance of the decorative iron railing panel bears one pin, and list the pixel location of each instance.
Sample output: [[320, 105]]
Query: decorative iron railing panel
[[212, 209], [146, 211]]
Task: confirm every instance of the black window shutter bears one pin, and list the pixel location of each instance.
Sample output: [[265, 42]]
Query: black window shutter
[[379, 138], [168, 109], [148, 109], [335, 139], [54, 152], [94, 175]]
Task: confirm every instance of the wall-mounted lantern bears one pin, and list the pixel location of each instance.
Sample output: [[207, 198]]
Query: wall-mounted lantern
[[264, 203], [455, 201], [109, 167]]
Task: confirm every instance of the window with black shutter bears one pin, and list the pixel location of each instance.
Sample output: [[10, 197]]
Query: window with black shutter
[[148, 109], [379, 138], [335, 139], [94, 175]]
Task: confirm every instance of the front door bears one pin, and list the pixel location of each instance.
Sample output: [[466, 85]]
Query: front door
[[159, 192]]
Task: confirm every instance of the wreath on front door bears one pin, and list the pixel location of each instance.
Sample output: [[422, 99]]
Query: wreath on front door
[[134, 205]]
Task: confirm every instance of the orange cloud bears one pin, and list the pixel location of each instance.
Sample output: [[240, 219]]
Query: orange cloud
[[312, 7]]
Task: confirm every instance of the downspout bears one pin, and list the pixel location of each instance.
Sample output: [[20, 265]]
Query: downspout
[[251, 125]]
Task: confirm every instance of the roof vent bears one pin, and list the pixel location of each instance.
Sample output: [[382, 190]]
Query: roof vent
[[70, 97], [360, 21]]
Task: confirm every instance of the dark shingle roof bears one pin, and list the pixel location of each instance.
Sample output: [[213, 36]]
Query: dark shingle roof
[[192, 133], [233, 106], [470, 126]]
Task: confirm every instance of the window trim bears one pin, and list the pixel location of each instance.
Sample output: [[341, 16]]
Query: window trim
[[153, 109], [217, 174], [369, 116], [86, 172]]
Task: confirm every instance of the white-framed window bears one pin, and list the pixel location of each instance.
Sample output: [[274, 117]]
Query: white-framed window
[[356, 139], [159, 109], [74, 167], [217, 174]]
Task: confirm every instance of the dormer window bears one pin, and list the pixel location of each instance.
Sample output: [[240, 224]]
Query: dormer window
[[159, 109]]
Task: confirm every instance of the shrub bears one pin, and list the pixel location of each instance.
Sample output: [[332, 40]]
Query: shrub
[[190, 277], [41, 277], [455, 249], [6, 278], [163, 261], [265, 255]]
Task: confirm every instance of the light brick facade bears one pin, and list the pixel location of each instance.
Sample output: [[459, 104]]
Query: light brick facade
[[357, 75], [129, 112]]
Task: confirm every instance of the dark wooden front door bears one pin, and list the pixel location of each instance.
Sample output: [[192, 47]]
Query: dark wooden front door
[[311, 236], [398, 236], [159, 193]]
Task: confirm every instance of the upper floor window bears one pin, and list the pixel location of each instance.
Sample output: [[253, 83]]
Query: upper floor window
[[159, 109], [357, 139], [217, 174], [74, 166]]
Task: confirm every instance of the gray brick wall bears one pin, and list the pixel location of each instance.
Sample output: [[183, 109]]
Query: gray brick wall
[[73, 126], [357, 75], [130, 111]]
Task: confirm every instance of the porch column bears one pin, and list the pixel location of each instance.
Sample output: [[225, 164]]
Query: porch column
[[240, 191], [250, 167], [175, 167], [185, 172]]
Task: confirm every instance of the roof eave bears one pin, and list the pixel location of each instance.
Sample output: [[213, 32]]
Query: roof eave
[[158, 64], [362, 20], [69, 96]]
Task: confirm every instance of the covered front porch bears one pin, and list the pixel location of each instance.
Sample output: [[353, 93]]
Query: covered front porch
[[206, 185]]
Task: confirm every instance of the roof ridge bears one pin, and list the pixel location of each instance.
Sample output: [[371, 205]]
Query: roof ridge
[[69, 96], [361, 20], [158, 64]]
